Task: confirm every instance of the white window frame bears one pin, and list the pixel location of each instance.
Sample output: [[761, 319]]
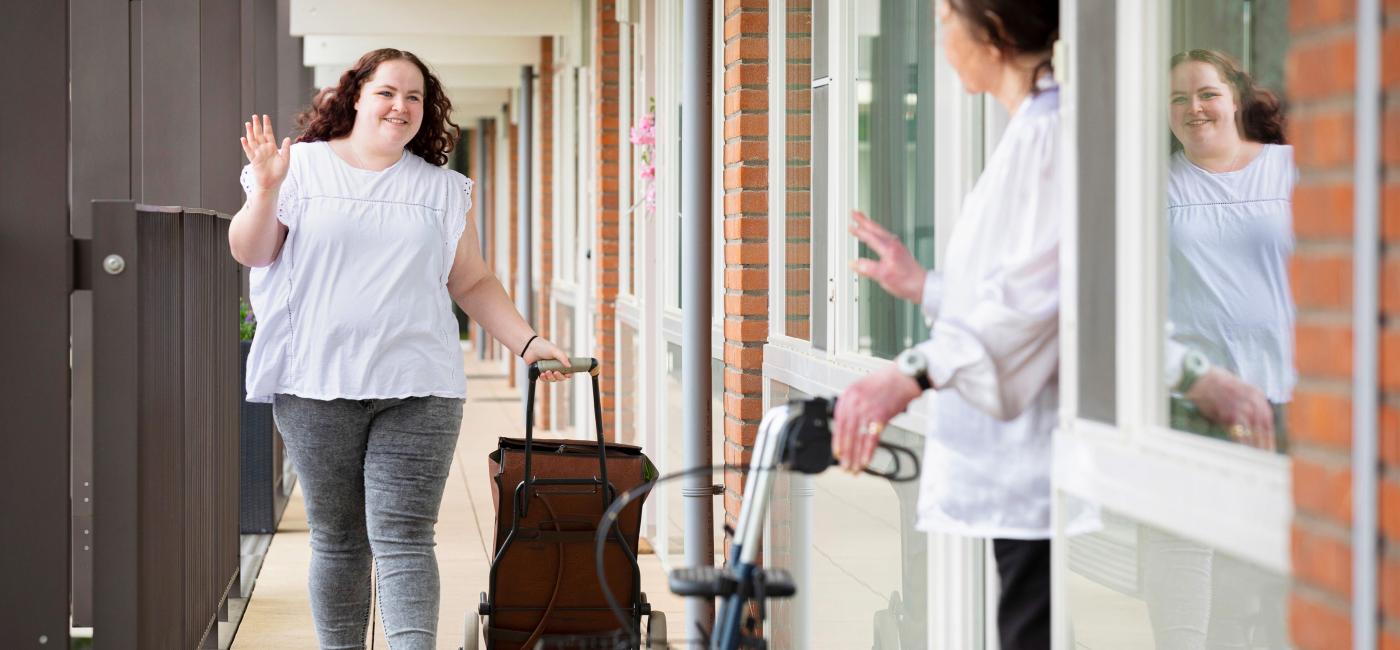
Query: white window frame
[[1226, 495]]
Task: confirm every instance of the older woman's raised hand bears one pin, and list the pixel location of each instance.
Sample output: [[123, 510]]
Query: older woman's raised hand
[[895, 269], [268, 162]]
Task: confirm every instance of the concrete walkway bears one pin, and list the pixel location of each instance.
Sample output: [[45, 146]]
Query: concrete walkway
[[278, 614]]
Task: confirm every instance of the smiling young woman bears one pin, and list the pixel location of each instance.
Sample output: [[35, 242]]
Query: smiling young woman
[[359, 241]]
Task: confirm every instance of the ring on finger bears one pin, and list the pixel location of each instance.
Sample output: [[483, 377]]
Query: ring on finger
[[1238, 431], [873, 428]]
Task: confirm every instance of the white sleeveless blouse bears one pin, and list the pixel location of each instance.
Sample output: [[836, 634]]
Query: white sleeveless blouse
[[356, 305], [1231, 237]]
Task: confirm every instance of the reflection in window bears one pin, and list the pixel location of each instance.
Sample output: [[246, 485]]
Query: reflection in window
[[894, 95], [797, 256], [1134, 586], [675, 450], [564, 416], [860, 564], [1229, 355]]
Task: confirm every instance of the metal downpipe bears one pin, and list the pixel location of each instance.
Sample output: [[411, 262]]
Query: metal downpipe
[[483, 179], [696, 286], [1365, 549], [523, 240]]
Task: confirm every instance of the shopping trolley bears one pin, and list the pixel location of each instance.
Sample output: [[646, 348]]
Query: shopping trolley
[[550, 494]]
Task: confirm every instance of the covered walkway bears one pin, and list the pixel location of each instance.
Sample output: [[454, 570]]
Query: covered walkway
[[279, 614]]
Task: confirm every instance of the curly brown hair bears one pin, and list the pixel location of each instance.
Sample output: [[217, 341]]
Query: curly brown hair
[[1261, 114], [332, 112]]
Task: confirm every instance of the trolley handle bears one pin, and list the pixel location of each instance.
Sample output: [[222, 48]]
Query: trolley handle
[[576, 365]]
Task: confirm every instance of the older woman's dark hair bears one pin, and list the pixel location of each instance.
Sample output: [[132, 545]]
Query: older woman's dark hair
[[1260, 116], [1015, 27], [332, 112]]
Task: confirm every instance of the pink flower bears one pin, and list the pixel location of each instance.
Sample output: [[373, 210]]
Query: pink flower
[[644, 133], [648, 172]]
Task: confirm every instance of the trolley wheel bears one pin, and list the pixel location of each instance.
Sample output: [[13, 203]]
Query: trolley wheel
[[656, 630], [471, 637]]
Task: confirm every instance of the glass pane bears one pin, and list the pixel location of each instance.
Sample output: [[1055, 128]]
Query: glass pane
[[629, 356], [1134, 586], [797, 256], [894, 64], [860, 565], [564, 415], [1230, 239]]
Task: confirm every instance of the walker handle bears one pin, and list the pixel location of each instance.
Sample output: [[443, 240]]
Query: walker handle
[[576, 365]]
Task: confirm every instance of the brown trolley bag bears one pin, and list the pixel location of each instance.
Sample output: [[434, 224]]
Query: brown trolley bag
[[549, 496]]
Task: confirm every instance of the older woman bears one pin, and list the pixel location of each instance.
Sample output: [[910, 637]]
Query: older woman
[[993, 356]]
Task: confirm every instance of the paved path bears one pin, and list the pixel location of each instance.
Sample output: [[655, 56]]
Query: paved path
[[278, 614]]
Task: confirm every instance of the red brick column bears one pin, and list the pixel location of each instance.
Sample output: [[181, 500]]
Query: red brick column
[[486, 211], [544, 282], [745, 236], [513, 214], [608, 93], [1321, 86], [1390, 336]]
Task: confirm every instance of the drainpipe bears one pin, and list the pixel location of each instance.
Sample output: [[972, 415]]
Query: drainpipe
[[483, 184], [1364, 320], [523, 297], [696, 286]]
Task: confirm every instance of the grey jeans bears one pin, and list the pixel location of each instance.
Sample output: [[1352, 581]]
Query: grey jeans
[[372, 474]]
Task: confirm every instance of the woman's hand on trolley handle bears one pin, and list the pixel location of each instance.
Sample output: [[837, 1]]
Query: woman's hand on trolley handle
[[541, 349], [862, 412]]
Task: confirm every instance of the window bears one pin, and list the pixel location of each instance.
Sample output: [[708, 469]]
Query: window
[[1185, 244], [853, 539], [895, 156]]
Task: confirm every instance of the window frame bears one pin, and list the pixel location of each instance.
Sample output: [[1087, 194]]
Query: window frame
[[1231, 497]]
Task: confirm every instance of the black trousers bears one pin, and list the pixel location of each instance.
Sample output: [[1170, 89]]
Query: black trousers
[[1023, 615]]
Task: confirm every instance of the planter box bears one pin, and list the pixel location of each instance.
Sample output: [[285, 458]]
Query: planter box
[[262, 485]]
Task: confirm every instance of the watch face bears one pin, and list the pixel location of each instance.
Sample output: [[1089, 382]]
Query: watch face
[[910, 362]]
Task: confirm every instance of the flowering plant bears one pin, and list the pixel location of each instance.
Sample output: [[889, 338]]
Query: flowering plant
[[247, 324], [644, 136]]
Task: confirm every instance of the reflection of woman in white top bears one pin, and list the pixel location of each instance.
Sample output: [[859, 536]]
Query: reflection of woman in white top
[[1231, 349], [1231, 224]]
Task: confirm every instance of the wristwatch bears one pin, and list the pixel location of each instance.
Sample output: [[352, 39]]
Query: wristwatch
[[1194, 365], [914, 365]]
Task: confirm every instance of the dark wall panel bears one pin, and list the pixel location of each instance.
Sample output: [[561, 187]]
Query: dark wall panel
[[36, 263]]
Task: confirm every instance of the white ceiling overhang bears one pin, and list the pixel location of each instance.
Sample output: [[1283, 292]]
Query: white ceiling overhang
[[437, 51], [451, 76], [442, 17]]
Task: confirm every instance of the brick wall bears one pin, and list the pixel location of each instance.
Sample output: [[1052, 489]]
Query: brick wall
[[513, 214], [745, 236], [486, 211], [1390, 337], [544, 220], [797, 174], [607, 170], [1321, 85]]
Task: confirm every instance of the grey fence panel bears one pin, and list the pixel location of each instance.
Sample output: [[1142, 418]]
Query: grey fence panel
[[167, 470]]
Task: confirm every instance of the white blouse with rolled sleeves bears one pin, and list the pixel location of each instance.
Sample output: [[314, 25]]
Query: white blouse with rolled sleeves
[[1231, 238], [993, 355], [356, 305]]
